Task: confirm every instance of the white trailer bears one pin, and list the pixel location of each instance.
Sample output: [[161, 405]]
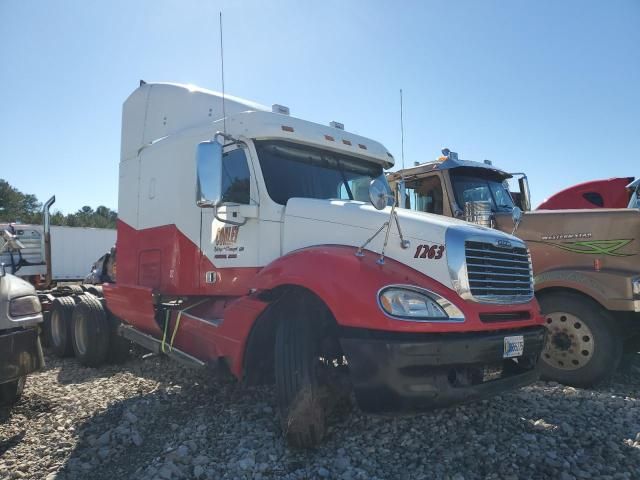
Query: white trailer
[[73, 250]]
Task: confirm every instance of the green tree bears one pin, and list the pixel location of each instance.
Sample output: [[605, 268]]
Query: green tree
[[16, 206]]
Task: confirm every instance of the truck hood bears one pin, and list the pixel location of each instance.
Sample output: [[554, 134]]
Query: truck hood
[[575, 238], [310, 222]]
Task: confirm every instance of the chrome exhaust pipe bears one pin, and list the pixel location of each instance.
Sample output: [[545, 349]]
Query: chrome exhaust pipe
[[46, 226]]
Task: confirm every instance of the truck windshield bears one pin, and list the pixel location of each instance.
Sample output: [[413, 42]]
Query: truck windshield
[[472, 189], [291, 170]]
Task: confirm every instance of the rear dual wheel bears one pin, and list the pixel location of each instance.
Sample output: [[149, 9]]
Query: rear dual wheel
[[95, 338], [90, 332], [59, 329]]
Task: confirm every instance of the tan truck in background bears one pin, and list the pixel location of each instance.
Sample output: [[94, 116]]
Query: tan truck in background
[[586, 262]]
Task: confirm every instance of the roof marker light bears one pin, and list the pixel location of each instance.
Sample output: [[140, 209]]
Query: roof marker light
[[346, 142], [330, 138], [281, 109], [287, 129], [363, 147], [338, 125]]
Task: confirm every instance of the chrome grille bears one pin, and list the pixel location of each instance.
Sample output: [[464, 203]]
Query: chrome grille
[[498, 273]]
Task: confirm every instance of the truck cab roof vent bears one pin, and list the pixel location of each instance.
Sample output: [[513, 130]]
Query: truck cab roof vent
[[338, 125], [275, 108]]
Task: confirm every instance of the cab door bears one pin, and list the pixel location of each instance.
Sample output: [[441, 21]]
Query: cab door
[[229, 234]]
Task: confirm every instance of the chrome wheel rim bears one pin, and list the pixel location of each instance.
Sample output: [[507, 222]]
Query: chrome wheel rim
[[570, 344], [81, 337], [57, 328]]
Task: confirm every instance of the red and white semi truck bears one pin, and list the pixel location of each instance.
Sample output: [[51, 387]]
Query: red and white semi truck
[[247, 239]]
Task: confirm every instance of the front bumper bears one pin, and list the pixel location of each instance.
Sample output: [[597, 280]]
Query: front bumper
[[404, 372], [20, 354]]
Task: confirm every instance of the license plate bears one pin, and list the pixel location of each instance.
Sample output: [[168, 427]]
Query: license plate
[[513, 346]]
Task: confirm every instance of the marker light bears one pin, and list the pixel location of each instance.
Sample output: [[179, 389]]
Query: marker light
[[287, 129]]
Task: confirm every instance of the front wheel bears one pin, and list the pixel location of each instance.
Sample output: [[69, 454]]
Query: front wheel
[[583, 346], [309, 373], [11, 392]]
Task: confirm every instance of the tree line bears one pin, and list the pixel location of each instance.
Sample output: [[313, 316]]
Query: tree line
[[16, 206]]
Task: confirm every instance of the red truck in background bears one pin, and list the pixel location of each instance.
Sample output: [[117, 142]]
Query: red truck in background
[[606, 193]]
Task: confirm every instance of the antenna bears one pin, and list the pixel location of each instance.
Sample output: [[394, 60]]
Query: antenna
[[224, 113], [402, 128]]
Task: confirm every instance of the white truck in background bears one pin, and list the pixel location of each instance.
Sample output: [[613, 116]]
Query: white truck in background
[[73, 251]]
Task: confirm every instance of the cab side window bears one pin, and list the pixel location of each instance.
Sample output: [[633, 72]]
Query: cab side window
[[236, 179], [426, 195]]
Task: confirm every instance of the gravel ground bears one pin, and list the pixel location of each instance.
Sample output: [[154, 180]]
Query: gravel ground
[[153, 419]]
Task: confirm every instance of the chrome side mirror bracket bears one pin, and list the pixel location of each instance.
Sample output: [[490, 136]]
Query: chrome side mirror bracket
[[378, 196]]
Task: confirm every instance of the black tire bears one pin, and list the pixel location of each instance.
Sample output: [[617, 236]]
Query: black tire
[[584, 347], [91, 332], [300, 392], [60, 326], [75, 289], [11, 392], [95, 290], [119, 347]]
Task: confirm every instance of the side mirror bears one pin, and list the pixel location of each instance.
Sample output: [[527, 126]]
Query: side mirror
[[378, 194], [525, 194], [209, 174], [516, 215]]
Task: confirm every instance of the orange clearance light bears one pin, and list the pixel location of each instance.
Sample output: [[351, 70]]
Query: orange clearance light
[[364, 147], [330, 138], [287, 129], [346, 142], [386, 303], [597, 264]]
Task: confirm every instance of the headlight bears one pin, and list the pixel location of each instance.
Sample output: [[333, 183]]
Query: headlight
[[417, 304], [22, 306]]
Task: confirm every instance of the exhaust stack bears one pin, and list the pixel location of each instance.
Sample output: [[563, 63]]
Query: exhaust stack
[[47, 238]]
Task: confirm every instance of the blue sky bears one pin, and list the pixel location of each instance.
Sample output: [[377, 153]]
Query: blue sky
[[548, 87]]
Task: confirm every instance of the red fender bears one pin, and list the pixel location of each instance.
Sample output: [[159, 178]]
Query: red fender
[[349, 286]]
